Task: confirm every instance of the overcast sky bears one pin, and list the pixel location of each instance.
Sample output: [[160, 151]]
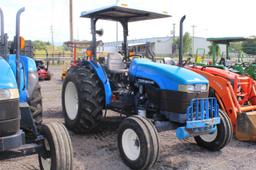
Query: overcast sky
[[212, 18]]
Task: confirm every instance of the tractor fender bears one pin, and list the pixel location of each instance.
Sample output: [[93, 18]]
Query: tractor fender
[[104, 80]]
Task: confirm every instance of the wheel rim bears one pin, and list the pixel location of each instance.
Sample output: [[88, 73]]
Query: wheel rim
[[71, 100], [46, 163], [131, 144], [209, 137]]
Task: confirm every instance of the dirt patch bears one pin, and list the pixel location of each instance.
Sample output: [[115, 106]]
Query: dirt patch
[[99, 151]]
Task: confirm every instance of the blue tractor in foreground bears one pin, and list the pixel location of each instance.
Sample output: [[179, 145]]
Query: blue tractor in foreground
[[22, 132], [152, 96]]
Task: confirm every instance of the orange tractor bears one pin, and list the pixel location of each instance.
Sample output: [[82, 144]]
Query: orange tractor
[[236, 95]]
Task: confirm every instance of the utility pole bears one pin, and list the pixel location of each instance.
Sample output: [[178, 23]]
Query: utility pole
[[173, 31], [71, 19], [117, 36], [52, 41], [71, 24], [193, 40], [117, 31], [173, 39]]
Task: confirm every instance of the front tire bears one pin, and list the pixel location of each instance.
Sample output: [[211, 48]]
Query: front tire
[[220, 138], [138, 143], [58, 147], [82, 99]]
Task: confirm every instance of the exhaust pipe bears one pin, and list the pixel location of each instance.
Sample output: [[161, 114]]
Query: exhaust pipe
[[181, 41], [18, 45], [2, 26]]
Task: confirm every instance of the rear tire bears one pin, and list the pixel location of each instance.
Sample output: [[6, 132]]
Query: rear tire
[[58, 147], [35, 103], [138, 143], [220, 138], [82, 99]]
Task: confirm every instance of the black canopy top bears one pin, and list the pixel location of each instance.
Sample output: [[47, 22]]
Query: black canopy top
[[117, 13], [227, 40]]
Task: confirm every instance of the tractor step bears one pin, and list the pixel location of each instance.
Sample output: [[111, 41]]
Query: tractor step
[[121, 107], [116, 106]]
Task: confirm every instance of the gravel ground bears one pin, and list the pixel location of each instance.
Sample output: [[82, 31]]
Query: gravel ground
[[99, 151]]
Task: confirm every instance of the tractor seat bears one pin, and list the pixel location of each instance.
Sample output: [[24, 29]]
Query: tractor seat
[[116, 64], [168, 60]]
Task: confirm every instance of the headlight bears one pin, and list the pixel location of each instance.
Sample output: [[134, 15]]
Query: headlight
[[6, 94], [190, 88]]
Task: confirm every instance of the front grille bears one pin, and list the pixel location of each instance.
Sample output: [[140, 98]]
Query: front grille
[[202, 108], [178, 102]]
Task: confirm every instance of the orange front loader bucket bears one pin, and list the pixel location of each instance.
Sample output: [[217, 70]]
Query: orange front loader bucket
[[240, 110], [246, 126]]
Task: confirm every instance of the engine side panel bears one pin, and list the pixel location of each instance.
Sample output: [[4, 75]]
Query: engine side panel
[[166, 76]]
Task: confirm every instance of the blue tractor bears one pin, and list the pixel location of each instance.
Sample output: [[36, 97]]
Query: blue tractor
[[22, 132], [152, 96]]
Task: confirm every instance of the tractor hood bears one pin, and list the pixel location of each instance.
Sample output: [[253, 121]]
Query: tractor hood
[[7, 78], [167, 77]]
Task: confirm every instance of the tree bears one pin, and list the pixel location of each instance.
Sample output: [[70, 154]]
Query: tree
[[39, 45], [65, 47], [237, 46], [187, 41], [218, 50], [249, 46]]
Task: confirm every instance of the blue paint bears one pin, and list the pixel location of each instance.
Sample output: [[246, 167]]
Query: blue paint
[[168, 77], [182, 133], [27, 65], [7, 78], [104, 80], [202, 123], [207, 107]]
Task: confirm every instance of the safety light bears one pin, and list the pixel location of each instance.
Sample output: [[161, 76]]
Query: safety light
[[191, 88], [8, 94], [89, 53], [22, 43]]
